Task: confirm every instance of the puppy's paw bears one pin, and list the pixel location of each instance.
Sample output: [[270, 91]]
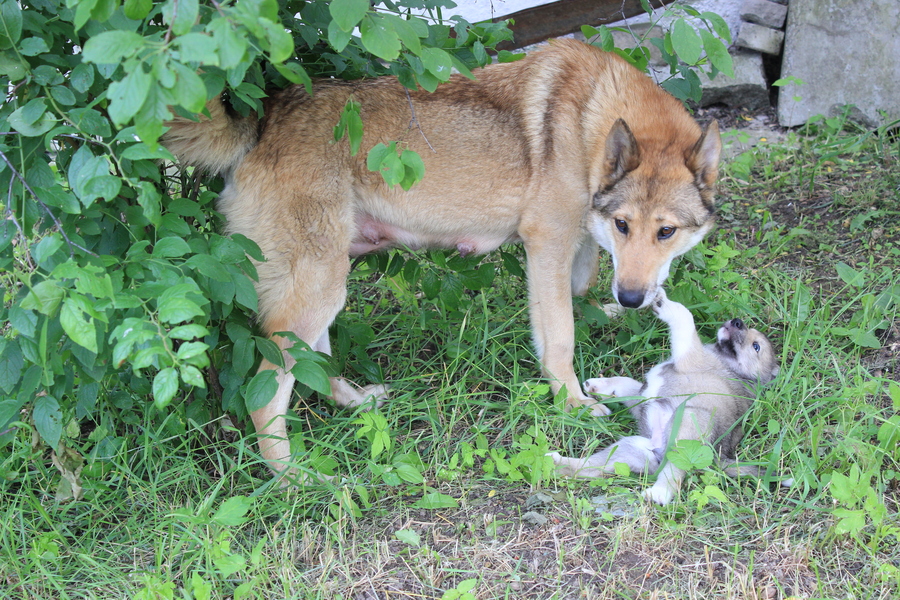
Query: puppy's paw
[[600, 386], [660, 493]]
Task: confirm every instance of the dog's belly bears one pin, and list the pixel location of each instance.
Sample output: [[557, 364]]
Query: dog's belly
[[373, 235]]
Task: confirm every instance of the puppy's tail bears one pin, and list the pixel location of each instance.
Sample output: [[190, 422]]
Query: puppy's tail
[[216, 144], [740, 470]]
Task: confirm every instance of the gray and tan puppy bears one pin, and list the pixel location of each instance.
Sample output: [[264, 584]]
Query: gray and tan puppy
[[715, 382]]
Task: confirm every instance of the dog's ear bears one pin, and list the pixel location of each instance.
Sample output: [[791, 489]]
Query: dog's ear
[[622, 154], [703, 158]]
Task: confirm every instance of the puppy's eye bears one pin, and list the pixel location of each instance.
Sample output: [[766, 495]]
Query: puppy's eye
[[622, 225], [756, 346], [665, 232]]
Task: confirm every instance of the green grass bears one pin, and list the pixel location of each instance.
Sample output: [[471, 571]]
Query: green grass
[[178, 505]]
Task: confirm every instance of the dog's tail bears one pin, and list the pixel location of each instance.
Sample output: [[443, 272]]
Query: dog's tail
[[216, 144]]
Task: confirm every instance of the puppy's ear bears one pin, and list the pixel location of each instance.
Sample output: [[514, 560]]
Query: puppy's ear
[[703, 158], [622, 154]]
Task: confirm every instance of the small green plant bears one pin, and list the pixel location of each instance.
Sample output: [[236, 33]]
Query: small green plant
[[692, 41], [462, 591]]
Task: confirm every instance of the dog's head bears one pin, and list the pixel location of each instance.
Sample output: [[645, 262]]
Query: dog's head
[[654, 202]]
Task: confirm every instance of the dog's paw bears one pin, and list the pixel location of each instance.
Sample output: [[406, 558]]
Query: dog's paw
[[613, 310], [600, 410]]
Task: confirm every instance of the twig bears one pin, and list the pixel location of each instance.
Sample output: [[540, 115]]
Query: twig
[[414, 121], [168, 37], [59, 225]]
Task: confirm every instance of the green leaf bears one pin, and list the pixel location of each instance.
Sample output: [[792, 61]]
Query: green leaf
[[137, 9], [32, 46], [180, 15], [231, 513], [188, 332], [435, 500], [691, 454], [12, 363], [348, 13], [48, 420], [260, 390], [686, 42], [337, 37], [414, 169], [720, 26], [849, 275], [406, 32], [10, 24], [379, 37], [77, 326], [165, 386], [438, 63], [110, 47], [45, 297], [312, 376], [717, 53], [191, 375], [127, 96], [281, 44], [231, 44], [408, 537], [171, 247], [230, 564], [21, 121]]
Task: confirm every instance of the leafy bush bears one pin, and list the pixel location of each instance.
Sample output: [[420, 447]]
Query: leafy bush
[[116, 286]]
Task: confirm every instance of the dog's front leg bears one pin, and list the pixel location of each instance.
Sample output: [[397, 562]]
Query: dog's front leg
[[271, 426], [550, 299]]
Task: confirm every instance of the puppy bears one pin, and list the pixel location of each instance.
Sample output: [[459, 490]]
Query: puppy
[[716, 383]]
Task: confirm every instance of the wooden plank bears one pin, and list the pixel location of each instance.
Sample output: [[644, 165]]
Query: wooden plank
[[542, 22]]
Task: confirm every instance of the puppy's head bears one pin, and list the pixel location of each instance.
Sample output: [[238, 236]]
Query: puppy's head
[[654, 202], [747, 352]]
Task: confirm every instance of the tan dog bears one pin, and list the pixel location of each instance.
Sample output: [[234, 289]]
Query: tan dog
[[715, 383], [565, 149]]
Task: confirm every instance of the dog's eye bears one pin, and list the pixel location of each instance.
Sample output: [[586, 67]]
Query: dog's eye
[[756, 346], [621, 225], [665, 232]]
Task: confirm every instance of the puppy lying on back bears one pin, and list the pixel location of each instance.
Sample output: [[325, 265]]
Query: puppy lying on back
[[716, 383]]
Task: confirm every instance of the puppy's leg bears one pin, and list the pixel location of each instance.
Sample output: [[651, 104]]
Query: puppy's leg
[[550, 281], [634, 451], [695, 425], [347, 394], [613, 386], [683, 333]]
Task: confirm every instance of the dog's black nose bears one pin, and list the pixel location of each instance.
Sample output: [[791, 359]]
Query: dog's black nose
[[737, 323], [631, 298]]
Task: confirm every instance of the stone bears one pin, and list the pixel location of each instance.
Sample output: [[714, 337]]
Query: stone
[[759, 38], [764, 12], [747, 89], [845, 54]]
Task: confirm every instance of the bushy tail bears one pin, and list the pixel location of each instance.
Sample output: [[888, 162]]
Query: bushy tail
[[216, 144]]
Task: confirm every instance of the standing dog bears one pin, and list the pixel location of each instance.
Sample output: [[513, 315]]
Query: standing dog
[[565, 149], [715, 384]]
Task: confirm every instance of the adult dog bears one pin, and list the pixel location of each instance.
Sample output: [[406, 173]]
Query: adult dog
[[565, 149]]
